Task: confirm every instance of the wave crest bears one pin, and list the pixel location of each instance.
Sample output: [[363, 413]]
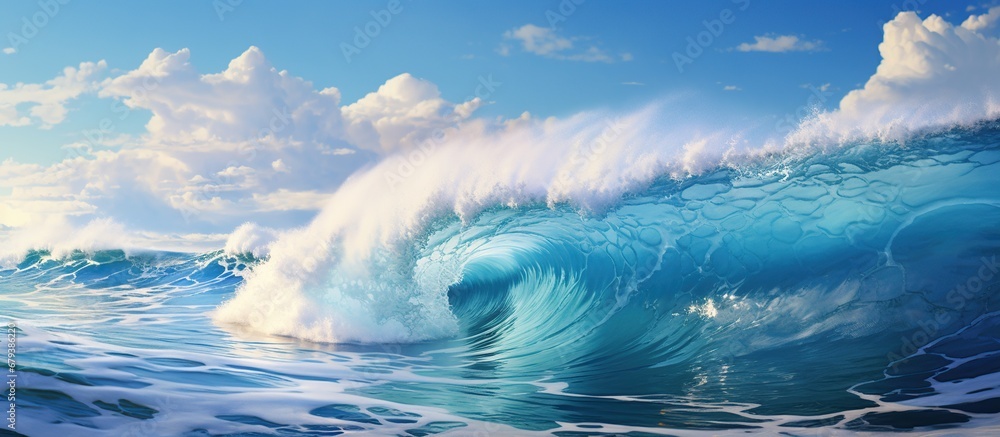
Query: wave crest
[[780, 243]]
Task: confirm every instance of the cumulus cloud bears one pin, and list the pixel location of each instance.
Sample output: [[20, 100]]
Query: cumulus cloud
[[544, 41], [280, 166], [403, 112], [249, 100], [111, 182], [932, 74], [249, 140], [45, 103], [984, 21], [252, 101], [779, 44]]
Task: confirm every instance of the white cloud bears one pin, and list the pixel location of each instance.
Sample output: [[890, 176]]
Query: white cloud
[[9, 50], [633, 83], [731, 88], [933, 74], [107, 183], [280, 166], [403, 112], [779, 44], [984, 21], [338, 151], [45, 104], [248, 140], [250, 100], [539, 40], [253, 101], [544, 41]]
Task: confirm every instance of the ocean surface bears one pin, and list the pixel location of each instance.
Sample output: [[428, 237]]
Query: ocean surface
[[847, 289]]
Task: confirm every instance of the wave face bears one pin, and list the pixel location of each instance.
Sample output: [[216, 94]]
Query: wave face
[[853, 289], [825, 239], [856, 257]]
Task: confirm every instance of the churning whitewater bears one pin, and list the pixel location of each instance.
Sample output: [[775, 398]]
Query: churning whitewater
[[848, 287]]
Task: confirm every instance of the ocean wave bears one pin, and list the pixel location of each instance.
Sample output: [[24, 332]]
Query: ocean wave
[[472, 244], [864, 273]]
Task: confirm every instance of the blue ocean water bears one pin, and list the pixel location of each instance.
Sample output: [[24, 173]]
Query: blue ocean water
[[851, 289]]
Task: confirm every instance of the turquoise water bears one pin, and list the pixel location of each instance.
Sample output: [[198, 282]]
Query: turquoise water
[[848, 290]]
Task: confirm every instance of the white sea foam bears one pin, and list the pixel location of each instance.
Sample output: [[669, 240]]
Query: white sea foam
[[251, 238], [61, 238]]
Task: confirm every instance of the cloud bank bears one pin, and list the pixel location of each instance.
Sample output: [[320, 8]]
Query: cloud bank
[[933, 74], [249, 141]]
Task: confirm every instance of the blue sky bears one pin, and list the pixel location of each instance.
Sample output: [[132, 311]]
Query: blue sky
[[453, 44]]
